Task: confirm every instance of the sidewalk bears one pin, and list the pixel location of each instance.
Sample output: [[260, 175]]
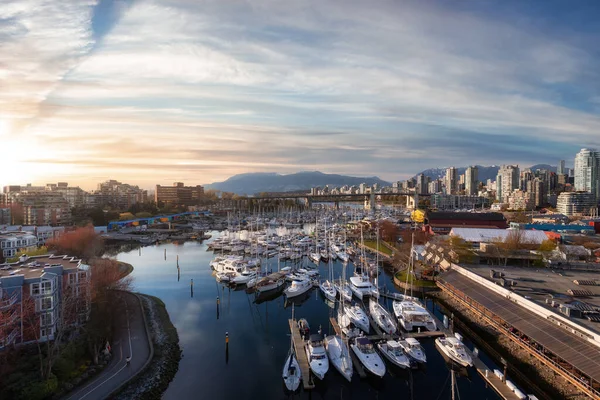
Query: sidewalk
[[130, 339]]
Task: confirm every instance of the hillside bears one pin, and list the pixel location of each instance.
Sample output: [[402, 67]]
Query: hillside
[[252, 183]]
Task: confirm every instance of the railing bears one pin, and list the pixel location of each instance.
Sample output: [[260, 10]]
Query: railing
[[9, 339], [9, 302]]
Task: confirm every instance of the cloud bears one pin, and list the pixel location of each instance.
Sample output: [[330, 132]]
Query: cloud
[[202, 89]]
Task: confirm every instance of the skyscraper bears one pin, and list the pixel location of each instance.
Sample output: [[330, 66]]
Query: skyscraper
[[451, 180], [560, 170], [471, 180], [587, 172], [506, 181], [422, 184]]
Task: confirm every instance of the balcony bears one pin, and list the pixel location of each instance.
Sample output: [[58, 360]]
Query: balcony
[[9, 302], [10, 339]]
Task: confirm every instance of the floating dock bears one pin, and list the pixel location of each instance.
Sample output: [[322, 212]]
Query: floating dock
[[301, 355]]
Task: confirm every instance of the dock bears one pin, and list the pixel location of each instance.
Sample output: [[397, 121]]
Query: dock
[[301, 355], [487, 374]]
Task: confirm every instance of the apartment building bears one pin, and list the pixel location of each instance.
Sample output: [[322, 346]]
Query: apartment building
[[576, 203], [36, 205], [40, 294], [179, 194], [117, 194], [12, 242], [5, 216]]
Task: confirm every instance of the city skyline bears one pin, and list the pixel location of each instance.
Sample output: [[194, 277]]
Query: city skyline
[[154, 92]]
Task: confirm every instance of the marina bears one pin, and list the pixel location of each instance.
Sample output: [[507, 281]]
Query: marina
[[259, 319]]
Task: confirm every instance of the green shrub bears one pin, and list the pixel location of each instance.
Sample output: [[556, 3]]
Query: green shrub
[[39, 390]]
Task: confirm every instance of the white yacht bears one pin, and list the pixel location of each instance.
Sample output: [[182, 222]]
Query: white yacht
[[411, 314], [328, 290], [382, 318], [361, 286], [298, 287], [368, 357], [267, 284], [315, 257], [339, 355], [395, 353], [413, 348], [455, 350], [308, 272], [244, 277], [358, 317], [317, 357]]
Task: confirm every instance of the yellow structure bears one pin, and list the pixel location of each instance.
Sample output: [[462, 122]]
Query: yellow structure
[[418, 216]]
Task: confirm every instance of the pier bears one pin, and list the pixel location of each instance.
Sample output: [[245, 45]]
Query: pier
[[301, 355]]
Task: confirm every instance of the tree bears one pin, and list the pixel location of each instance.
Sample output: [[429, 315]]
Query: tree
[[547, 245], [84, 243], [388, 231]]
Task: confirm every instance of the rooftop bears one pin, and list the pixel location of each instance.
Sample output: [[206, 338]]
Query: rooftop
[[462, 216], [493, 235], [33, 267]]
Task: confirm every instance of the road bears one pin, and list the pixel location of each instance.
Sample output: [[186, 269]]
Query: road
[[130, 339]]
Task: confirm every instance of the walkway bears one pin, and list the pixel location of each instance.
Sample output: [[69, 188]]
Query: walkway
[[130, 339]]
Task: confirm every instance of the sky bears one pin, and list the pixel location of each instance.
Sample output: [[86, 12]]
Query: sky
[[158, 91]]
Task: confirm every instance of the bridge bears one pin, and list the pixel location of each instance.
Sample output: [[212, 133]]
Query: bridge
[[412, 198]]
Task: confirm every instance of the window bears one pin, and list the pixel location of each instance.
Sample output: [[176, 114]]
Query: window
[[46, 287], [46, 319], [35, 289], [82, 276], [72, 279], [47, 303]]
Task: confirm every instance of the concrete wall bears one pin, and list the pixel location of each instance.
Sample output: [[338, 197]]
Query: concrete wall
[[532, 306]]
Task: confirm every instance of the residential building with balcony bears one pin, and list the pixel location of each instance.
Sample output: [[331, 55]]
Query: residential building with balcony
[[576, 203], [12, 242], [41, 294]]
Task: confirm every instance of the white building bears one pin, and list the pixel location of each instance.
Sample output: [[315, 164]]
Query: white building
[[506, 181], [12, 242], [471, 181], [587, 172], [576, 203]]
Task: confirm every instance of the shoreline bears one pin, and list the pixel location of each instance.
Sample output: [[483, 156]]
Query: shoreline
[[154, 380]]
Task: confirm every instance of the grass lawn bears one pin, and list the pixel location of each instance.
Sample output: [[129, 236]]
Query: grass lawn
[[373, 244], [401, 276]]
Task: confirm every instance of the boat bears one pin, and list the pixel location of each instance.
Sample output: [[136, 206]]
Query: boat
[[328, 290], [315, 257], [368, 357], [339, 355], [361, 286], [224, 277], [303, 327], [413, 348], [411, 314], [317, 357], [267, 284], [358, 317], [393, 351], [298, 287], [245, 277], [343, 290], [291, 369], [455, 350], [382, 318]]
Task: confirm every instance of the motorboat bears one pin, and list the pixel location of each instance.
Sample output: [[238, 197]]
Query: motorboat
[[368, 357], [224, 277], [298, 287], [455, 350], [304, 328], [411, 314], [292, 375], [361, 286], [317, 357], [339, 355], [315, 257], [358, 317], [328, 290], [308, 272], [413, 348], [343, 289], [245, 277], [395, 353], [382, 318]]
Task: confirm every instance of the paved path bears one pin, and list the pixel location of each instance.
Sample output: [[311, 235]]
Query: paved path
[[130, 339]]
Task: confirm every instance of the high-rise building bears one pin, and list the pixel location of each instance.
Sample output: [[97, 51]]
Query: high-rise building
[[5, 216], [538, 190], [36, 205], [435, 186], [117, 194], [422, 184], [471, 179], [506, 181], [587, 172], [451, 180], [560, 170]]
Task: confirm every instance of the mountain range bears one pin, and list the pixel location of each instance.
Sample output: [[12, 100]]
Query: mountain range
[[483, 173], [253, 183]]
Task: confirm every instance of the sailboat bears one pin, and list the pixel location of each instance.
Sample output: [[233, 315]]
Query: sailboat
[[316, 256], [409, 311], [327, 286], [381, 317], [338, 352], [291, 369]]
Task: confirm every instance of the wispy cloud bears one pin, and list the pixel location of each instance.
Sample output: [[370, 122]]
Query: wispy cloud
[[205, 89]]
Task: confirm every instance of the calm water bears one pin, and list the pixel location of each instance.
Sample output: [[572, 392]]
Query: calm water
[[259, 337]]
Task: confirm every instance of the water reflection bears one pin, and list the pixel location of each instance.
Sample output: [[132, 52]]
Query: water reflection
[[259, 335]]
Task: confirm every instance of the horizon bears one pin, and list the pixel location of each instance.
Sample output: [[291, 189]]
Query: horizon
[[154, 91]]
